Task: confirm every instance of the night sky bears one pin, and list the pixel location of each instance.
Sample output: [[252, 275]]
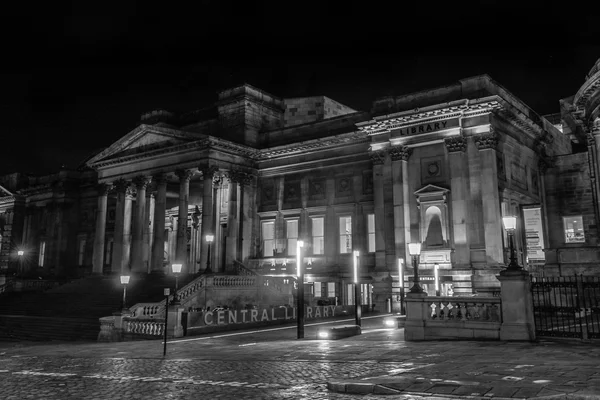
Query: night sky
[[76, 77]]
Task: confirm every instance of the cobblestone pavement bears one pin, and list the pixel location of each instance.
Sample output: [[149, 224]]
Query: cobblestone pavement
[[272, 364]]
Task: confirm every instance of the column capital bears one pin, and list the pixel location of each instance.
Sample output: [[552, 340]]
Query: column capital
[[487, 140], [242, 178], [142, 182], [184, 174], [456, 144], [160, 179], [400, 153], [591, 139], [121, 185], [208, 171], [103, 188], [377, 156]]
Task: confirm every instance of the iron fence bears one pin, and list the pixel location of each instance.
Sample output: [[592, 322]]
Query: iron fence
[[566, 306]]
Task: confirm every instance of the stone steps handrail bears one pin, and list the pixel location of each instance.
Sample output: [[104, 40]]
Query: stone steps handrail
[[477, 309], [151, 327], [241, 269]]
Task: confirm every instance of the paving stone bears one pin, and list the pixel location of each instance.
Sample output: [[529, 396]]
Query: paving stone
[[380, 389]]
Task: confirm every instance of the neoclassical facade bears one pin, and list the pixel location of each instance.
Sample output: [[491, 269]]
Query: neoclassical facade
[[259, 173]]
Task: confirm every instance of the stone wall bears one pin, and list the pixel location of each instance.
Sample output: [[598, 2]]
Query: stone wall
[[569, 193]]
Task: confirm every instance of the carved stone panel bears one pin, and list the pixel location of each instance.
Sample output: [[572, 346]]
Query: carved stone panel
[[343, 186], [316, 188], [292, 192], [269, 195], [432, 170]]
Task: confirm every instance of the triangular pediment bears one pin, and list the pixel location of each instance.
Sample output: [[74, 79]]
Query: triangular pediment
[[145, 138], [5, 192], [430, 190]]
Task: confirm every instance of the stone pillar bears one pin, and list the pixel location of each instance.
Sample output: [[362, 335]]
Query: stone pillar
[[122, 240], [98, 255], [378, 159], [160, 205], [233, 221], [139, 225], [147, 232], [490, 198], [400, 155], [207, 227], [459, 180], [416, 315], [182, 222], [517, 306]]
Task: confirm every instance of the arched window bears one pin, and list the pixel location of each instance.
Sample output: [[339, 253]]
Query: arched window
[[433, 222]]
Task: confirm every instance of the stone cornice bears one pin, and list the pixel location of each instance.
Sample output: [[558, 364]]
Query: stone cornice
[[461, 108], [310, 145], [591, 86]]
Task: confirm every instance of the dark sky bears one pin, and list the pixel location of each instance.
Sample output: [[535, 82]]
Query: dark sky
[[76, 77]]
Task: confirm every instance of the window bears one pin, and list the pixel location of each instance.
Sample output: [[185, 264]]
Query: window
[[81, 252], [371, 232], [291, 231], [330, 289], [345, 235], [41, 255], [317, 286], [268, 238], [317, 235], [574, 229]]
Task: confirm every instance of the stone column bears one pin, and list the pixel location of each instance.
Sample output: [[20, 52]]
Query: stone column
[[98, 255], [233, 221], [122, 236], [160, 205], [490, 198], [147, 231], [400, 155], [207, 213], [182, 222], [459, 180], [140, 223], [378, 159]]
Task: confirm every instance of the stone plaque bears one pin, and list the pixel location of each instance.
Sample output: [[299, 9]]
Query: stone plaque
[[432, 170], [343, 186], [316, 188], [291, 190], [268, 191]]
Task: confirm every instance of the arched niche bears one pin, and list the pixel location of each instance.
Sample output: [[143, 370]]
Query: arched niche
[[432, 202]]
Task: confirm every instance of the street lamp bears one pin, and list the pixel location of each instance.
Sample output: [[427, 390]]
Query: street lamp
[[415, 250], [357, 308], [20, 253], [510, 224], [401, 281], [124, 282], [209, 240], [176, 270], [300, 296], [436, 274]]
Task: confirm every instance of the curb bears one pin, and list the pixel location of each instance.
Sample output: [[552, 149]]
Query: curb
[[374, 388]]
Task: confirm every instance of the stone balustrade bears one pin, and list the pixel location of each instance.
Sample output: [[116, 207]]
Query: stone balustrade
[[143, 327], [475, 309], [144, 310]]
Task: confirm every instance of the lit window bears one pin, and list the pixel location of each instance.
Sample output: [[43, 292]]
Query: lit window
[[291, 231], [574, 229], [317, 287], [371, 232], [81, 252], [268, 238], [345, 235], [41, 255], [317, 235], [330, 289]]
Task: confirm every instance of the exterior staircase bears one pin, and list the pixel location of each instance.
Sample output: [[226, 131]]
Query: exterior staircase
[[71, 311]]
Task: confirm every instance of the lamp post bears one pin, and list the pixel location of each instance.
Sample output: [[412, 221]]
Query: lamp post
[[20, 253], [176, 270], [510, 224], [209, 240], [300, 296], [415, 250], [124, 282], [401, 282], [357, 308], [436, 276]]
